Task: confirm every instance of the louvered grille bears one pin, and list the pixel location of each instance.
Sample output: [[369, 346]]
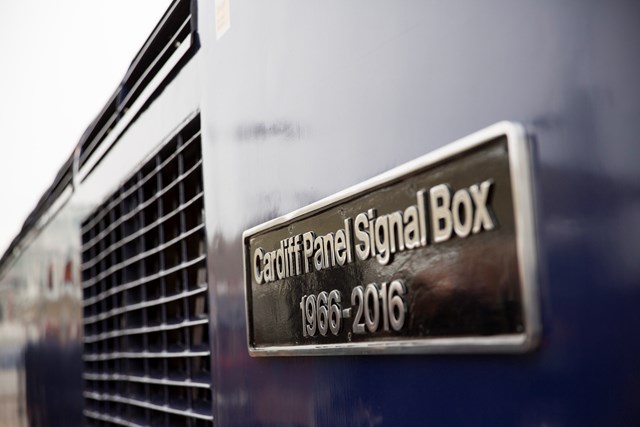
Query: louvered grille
[[146, 317]]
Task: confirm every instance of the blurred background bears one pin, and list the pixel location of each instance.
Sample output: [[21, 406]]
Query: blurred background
[[60, 62]]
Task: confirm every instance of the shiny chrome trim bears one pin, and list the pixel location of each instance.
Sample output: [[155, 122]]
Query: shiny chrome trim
[[146, 380], [144, 355], [162, 408], [114, 420], [523, 211], [145, 330]]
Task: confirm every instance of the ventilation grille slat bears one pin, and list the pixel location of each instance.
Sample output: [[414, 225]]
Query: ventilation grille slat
[[145, 295], [183, 236], [150, 380], [110, 420], [116, 202]]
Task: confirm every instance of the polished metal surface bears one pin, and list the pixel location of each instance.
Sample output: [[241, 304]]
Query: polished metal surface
[[469, 295]]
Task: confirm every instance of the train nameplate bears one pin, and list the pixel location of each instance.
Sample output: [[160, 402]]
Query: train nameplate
[[436, 255]]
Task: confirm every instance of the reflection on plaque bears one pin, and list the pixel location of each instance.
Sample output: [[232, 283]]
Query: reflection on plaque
[[437, 255]]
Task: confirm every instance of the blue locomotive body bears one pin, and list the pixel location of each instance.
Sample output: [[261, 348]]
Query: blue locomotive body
[[123, 301]]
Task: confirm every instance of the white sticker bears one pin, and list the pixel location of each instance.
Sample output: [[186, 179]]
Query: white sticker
[[223, 19]]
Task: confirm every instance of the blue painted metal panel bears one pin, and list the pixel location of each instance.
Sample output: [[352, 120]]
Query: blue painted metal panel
[[301, 101]]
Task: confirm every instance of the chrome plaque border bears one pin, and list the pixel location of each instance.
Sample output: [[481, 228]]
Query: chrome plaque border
[[526, 246]]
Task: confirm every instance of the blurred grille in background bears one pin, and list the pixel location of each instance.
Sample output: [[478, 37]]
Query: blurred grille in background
[[146, 316]]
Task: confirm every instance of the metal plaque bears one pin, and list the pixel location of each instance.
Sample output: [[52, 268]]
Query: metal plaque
[[436, 255]]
